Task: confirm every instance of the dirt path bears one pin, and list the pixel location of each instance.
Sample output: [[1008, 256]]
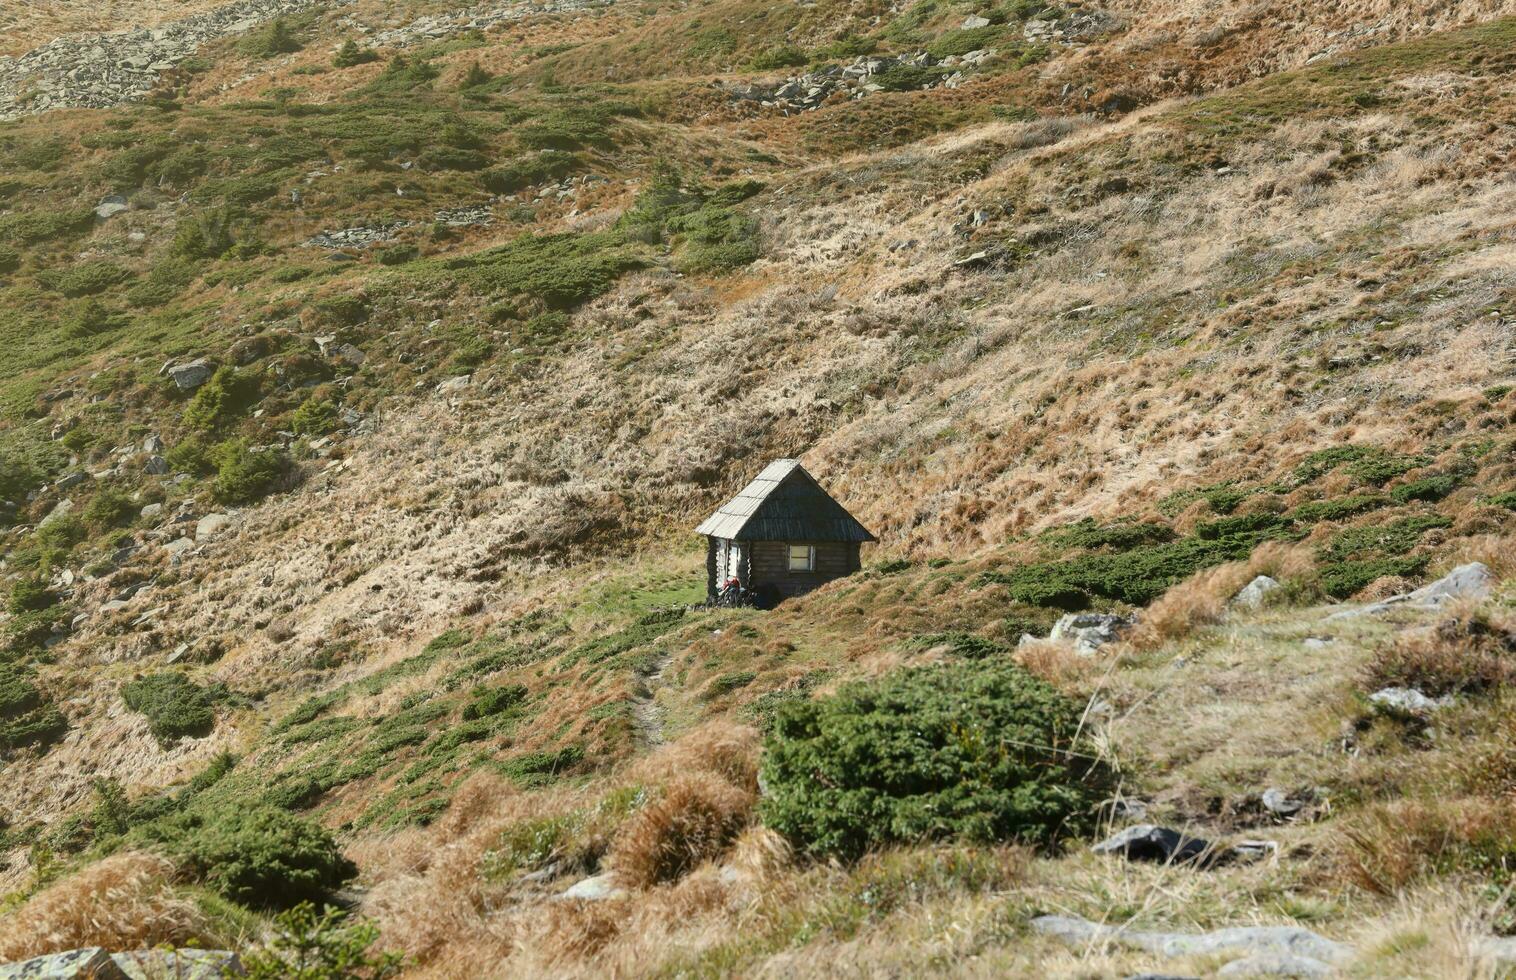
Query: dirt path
[[646, 714]]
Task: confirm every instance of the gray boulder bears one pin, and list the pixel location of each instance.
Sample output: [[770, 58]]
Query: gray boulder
[[1276, 965], [454, 386], [91, 963], [1147, 842], [1471, 581], [1279, 803], [595, 889], [111, 206], [1408, 701], [1497, 950], [1089, 631], [1253, 594], [177, 547], [155, 466], [975, 21], [191, 375], [61, 509], [211, 525]]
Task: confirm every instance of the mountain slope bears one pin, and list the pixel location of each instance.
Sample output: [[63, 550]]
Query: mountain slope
[[1265, 323]]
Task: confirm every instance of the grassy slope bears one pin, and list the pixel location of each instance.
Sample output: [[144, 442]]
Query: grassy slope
[[1200, 293]]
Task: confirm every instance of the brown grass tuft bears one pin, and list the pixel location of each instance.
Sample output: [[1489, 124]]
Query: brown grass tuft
[[761, 853], [696, 819], [1202, 599], [1391, 846], [720, 746], [122, 902], [1061, 666], [1464, 654]]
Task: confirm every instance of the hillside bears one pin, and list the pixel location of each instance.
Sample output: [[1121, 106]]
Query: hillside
[[366, 367]]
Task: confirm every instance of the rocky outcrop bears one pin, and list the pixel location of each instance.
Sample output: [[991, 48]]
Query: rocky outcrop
[[1089, 632], [366, 236], [1471, 581], [477, 18], [862, 77], [101, 70]]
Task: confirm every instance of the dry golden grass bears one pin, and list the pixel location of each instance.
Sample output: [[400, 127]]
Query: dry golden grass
[[124, 902], [696, 819], [1203, 598], [1387, 847]]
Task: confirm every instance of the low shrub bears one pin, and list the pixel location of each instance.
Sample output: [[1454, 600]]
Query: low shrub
[[109, 509], [560, 271], [1356, 556], [245, 475], [959, 643], [30, 594], [1121, 536], [1337, 509], [351, 54], [315, 417], [307, 945], [724, 684], [527, 171], [175, 707], [1430, 489], [271, 41], [221, 401], [452, 158], [18, 695], [571, 128], [487, 701], [259, 855], [341, 310], [397, 254], [41, 726], [979, 751], [714, 239], [1370, 465], [85, 279], [10, 259], [204, 234], [781, 56], [540, 768], [961, 42], [1344, 579], [37, 227], [1140, 575]]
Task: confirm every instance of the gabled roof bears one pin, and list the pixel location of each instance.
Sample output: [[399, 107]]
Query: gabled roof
[[784, 503]]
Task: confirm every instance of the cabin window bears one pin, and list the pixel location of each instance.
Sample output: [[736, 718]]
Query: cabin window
[[802, 558]]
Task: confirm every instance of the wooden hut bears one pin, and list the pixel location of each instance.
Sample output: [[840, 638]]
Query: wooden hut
[[781, 536]]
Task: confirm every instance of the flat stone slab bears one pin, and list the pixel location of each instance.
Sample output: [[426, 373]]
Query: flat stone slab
[[1239, 940], [180, 964], [1270, 965]]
